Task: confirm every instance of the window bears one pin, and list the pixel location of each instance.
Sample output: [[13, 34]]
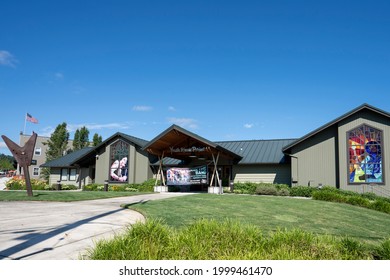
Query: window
[[119, 154], [38, 151], [365, 155], [36, 171], [64, 174], [72, 174]]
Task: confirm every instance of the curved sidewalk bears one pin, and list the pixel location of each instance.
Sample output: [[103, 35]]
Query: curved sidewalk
[[64, 230]]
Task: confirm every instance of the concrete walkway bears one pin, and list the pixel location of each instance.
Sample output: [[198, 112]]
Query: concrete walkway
[[64, 230]]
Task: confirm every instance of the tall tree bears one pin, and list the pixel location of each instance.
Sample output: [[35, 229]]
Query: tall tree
[[76, 140], [57, 143], [81, 138], [97, 139], [84, 137]]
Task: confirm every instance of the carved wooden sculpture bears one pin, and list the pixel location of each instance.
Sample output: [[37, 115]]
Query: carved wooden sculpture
[[23, 156]]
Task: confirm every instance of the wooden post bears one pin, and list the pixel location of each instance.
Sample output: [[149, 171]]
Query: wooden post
[[215, 172]]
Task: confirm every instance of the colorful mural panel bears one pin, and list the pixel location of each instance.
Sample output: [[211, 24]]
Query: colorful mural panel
[[365, 155], [119, 162]]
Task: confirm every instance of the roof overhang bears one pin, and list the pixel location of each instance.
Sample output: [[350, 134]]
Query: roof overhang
[[364, 106], [179, 143]]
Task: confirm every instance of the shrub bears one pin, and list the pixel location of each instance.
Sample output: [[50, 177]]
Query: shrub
[[302, 191], [93, 187], [20, 184], [284, 192], [266, 190], [246, 188], [117, 188], [380, 205], [328, 195]]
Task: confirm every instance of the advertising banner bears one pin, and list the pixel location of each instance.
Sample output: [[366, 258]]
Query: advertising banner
[[187, 176]]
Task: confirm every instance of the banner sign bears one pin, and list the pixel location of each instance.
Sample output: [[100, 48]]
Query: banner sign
[[187, 176]]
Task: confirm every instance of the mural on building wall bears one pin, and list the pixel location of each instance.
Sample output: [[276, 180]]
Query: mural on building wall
[[119, 161], [365, 155]]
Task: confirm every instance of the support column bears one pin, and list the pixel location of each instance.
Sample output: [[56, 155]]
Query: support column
[[218, 188], [160, 174]]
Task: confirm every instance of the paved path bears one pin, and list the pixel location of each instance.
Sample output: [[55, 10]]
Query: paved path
[[64, 230]]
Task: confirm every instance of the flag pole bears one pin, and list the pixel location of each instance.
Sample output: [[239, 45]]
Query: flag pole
[[25, 121]]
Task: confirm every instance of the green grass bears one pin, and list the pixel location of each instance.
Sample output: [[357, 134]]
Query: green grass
[[271, 214], [65, 196], [229, 240]]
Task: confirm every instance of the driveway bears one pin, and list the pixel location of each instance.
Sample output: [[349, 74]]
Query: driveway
[[64, 230]]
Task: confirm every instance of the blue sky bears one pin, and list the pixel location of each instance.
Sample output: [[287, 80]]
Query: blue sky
[[226, 70]]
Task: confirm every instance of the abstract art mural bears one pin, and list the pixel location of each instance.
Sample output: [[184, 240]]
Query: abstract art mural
[[365, 155]]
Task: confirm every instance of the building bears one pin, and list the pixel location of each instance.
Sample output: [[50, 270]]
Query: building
[[348, 152], [39, 156]]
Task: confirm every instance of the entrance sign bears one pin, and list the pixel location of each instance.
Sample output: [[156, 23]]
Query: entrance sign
[[187, 150], [187, 176]]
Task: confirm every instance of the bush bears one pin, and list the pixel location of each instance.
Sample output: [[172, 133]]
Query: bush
[[20, 184], [284, 192], [302, 191], [266, 190], [93, 187], [363, 200], [328, 195], [380, 205], [246, 188]]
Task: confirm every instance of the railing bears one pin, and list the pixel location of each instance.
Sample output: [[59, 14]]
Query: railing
[[376, 189]]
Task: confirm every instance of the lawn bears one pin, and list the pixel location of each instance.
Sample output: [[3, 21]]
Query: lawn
[[272, 213], [64, 196]]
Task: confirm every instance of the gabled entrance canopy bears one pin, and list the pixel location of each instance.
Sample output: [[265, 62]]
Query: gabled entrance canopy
[[179, 143]]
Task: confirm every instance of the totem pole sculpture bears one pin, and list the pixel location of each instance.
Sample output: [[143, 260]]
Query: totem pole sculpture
[[23, 156]]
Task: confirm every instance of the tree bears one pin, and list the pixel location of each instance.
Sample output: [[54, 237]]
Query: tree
[[76, 140], [81, 138], [6, 162], [57, 143], [96, 140]]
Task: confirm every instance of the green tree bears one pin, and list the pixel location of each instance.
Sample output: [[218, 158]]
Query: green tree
[[76, 140], [57, 143], [81, 138], [6, 162], [96, 140]]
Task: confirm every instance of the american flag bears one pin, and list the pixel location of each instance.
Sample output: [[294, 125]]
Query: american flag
[[31, 118]]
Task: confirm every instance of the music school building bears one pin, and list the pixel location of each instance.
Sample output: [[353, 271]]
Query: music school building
[[349, 152]]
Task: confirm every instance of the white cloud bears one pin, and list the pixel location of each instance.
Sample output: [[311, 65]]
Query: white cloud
[[142, 108], [184, 122], [94, 126], [7, 59], [2, 145], [171, 108], [248, 125]]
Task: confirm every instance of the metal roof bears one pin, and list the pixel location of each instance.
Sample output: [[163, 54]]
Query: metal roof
[[364, 106], [251, 151], [69, 159], [258, 151]]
